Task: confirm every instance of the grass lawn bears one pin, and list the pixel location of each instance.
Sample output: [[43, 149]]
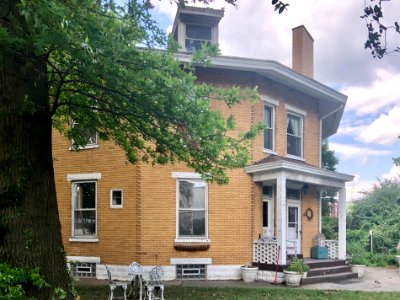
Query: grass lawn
[[189, 293]]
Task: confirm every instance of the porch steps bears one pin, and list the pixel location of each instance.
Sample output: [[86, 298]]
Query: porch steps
[[328, 271]]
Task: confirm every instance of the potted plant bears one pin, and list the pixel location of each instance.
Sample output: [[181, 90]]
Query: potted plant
[[358, 264], [249, 272], [295, 271]]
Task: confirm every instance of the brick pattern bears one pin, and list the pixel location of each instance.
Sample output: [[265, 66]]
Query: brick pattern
[[303, 52], [145, 228]]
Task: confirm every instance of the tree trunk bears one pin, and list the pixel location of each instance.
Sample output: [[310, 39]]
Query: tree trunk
[[30, 234]]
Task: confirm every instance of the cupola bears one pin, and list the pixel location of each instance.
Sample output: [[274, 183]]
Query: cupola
[[196, 25]]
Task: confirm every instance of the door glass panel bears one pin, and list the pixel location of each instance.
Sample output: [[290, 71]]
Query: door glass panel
[[265, 214], [293, 223]]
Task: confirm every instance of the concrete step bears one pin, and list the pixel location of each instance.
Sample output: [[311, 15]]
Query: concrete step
[[329, 270], [329, 278], [324, 263]]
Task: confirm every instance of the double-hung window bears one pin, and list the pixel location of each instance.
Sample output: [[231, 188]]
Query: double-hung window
[[269, 127], [87, 136], [191, 209], [294, 134], [196, 35], [84, 216]]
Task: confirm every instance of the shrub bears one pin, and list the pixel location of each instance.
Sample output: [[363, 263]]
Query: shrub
[[14, 281]]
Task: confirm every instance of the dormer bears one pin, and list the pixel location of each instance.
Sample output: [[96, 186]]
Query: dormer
[[196, 25]]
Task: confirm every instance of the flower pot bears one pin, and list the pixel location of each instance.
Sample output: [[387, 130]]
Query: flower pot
[[398, 260], [304, 274], [249, 274], [292, 278], [359, 269]]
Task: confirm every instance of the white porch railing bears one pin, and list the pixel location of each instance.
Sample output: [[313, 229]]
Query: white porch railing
[[333, 248], [265, 252]]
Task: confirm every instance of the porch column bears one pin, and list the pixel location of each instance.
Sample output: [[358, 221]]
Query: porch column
[[281, 217], [342, 223]]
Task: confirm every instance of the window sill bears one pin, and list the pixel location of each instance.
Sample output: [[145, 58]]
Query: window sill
[[192, 245], [83, 240], [84, 147], [269, 151], [295, 157]]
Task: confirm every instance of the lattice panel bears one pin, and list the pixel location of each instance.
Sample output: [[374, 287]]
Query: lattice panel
[[265, 252], [333, 248]]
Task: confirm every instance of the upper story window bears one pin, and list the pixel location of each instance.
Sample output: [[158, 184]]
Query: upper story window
[[196, 35], [89, 136], [269, 127], [294, 134], [84, 216], [192, 209]]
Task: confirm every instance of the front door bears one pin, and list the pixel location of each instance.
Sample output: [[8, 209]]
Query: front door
[[293, 227]]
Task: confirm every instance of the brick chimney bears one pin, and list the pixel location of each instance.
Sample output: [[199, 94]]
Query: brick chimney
[[303, 51]]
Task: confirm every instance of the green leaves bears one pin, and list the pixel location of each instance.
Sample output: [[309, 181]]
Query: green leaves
[[105, 75], [279, 5], [377, 31]]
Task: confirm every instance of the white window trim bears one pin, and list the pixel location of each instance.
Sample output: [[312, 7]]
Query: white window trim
[[82, 238], [271, 211], [295, 110], [191, 261], [86, 259], [269, 101], [83, 176], [185, 175], [301, 157], [87, 146], [111, 198], [271, 151], [213, 34], [190, 176]]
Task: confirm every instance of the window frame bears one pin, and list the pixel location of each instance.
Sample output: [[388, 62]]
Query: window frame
[[182, 176], [272, 128], [111, 198], [301, 134], [83, 237], [197, 39], [87, 146], [270, 229]]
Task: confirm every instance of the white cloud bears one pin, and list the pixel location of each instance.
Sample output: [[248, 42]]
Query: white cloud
[[383, 92], [357, 188], [165, 7], [394, 173], [385, 130], [356, 152]]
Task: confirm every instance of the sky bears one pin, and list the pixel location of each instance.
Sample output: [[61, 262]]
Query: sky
[[367, 138]]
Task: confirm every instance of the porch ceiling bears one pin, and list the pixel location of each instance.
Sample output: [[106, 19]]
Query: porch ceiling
[[297, 171]]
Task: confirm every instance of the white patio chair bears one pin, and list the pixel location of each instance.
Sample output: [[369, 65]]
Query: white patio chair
[[114, 284], [154, 287]]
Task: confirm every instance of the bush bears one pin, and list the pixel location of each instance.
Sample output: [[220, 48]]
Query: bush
[[14, 281], [330, 227]]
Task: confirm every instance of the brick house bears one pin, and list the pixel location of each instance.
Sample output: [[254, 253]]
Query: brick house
[[114, 213]]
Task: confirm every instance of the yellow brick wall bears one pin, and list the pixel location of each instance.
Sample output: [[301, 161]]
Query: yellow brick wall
[[115, 226], [309, 228], [145, 228]]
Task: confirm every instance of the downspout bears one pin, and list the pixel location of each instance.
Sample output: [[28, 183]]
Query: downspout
[[320, 131], [320, 160]]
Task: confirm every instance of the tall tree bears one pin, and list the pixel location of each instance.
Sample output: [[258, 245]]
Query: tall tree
[[329, 162], [67, 62]]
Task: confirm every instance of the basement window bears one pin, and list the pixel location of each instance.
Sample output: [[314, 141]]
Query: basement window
[[83, 269], [191, 271]]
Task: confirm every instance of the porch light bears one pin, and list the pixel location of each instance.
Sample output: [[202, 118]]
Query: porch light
[[305, 188]]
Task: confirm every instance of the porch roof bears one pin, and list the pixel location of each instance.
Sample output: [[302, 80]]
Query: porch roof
[[274, 166]]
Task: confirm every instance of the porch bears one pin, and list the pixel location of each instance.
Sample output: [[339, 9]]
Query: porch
[[285, 183]]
